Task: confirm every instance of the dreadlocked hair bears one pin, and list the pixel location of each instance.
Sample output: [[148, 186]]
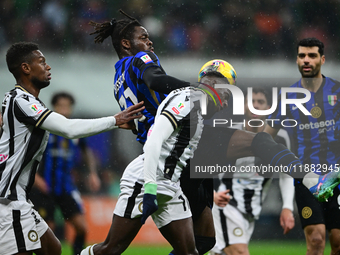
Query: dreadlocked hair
[[121, 29]]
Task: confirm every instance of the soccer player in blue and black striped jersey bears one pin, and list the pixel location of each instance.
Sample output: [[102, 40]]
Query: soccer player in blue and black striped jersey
[[54, 185], [139, 74], [317, 141]]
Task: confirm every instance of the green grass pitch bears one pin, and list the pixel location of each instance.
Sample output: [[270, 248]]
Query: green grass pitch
[[256, 248]]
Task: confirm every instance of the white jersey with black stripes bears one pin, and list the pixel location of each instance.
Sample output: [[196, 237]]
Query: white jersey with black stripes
[[22, 142], [182, 109]]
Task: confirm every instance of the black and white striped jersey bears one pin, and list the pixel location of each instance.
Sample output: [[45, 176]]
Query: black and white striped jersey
[[249, 189], [22, 142], [183, 109]]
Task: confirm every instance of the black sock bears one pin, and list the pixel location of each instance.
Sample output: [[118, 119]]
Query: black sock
[[204, 244], [78, 244]]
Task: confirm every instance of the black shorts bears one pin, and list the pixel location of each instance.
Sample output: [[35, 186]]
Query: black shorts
[[69, 204], [213, 145], [313, 212], [200, 192]]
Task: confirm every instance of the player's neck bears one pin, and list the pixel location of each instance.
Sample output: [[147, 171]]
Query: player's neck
[[30, 89], [312, 84]]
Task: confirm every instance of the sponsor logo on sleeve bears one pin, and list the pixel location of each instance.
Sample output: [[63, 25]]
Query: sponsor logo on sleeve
[[3, 157], [35, 109], [175, 110], [146, 59]]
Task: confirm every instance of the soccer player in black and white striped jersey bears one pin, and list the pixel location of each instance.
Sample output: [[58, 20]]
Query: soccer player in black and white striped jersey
[[234, 220], [25, 130]]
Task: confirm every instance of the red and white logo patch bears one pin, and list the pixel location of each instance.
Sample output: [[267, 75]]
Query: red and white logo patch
[[146, 59], [175, 110]]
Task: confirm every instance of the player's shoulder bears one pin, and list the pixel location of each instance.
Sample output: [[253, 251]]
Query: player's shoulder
[[23, 95], [296, 84], [146, 56], [332, 82]]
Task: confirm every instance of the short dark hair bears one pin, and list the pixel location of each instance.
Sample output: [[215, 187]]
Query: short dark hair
[[59, 95], [311, 42], [257, 90], [18, 53], [118, 30], [214, 74]]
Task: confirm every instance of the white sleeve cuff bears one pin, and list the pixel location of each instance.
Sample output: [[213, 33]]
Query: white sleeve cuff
[[287, 191]]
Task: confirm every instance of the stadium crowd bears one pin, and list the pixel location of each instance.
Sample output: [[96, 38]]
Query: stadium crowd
[[249, 29]]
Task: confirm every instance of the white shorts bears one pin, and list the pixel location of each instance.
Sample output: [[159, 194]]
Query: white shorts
[[21, 227], [172, 203], [231, 227]]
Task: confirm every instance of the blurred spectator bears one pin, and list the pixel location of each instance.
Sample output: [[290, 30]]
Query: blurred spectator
[[55, 15], [239, 28]]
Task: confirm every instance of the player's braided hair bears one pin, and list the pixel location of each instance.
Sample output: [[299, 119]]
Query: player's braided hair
[[117, 29]]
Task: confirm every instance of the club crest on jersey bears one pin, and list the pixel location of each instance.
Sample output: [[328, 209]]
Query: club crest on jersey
[[33, 236], [146, 59], [332, 99], [35, 109]]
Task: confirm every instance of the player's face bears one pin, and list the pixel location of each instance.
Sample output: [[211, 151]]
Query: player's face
[[259, 102], [39, 70], [309, 62], [141, 41], [63, 107]]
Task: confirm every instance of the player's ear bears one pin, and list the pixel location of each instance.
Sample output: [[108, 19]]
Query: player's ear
[[126, 44], [323, 59], [25, 68]]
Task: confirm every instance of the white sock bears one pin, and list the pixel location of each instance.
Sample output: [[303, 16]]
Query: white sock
[[88, 250]]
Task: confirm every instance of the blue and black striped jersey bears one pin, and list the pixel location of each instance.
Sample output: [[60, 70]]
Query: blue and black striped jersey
[[316, 136], [129, 88], [57, 163]]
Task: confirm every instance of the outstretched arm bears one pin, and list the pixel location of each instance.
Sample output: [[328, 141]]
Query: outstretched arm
[[161, 131], [159, 81], [77, 128]]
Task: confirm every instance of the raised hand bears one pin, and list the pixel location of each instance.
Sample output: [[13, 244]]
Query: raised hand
[[133, 112]]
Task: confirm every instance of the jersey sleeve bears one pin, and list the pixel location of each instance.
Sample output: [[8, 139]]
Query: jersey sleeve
[[144, 60], [178, 108], [30, 111]]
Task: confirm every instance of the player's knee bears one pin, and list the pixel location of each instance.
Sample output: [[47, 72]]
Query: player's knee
[[238, 249], [316, 242], [204, 243]]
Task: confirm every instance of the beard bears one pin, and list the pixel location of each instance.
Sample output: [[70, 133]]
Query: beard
[[40, 84], [314, 72]]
